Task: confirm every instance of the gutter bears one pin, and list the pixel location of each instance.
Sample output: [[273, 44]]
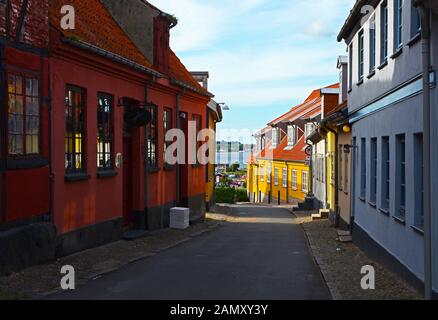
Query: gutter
[[178, 126], [426, 58], [190, 87]]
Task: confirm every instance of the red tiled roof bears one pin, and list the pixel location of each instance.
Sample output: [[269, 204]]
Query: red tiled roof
[[96, 26], [309, 104], [296, 154]]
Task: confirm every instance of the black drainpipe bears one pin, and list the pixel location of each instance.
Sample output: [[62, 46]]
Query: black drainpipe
[[426, 61], [178, 126], [3, 126], [143, 218]]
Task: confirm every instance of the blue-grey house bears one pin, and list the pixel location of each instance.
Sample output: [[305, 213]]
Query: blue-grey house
[[386, 110]]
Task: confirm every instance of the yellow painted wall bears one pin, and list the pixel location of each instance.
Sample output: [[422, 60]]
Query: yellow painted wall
[[209, 187], [330, 163], [259, 186]]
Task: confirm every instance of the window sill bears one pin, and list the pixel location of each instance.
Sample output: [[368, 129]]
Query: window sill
[[397, 53], [418, 229], [349, 90], [359, 83], [362, 199], [372, 204], [104, 174], [384, 211], [383, 65], [400, 220], [414, 39], [75, 177], [372, 74]]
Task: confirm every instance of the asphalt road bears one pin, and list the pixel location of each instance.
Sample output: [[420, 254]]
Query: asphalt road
[[263, 255]]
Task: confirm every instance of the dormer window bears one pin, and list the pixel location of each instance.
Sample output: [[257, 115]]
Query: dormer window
[[291, 136], [275, 136], [309, 129]]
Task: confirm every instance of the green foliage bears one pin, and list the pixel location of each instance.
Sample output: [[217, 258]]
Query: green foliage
[[230, 195]]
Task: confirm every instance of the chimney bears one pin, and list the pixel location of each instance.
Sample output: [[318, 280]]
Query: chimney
[[343, 78], [161, 43]]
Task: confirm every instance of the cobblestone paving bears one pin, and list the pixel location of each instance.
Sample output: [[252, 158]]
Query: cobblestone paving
[[341, 264], [39, 281]]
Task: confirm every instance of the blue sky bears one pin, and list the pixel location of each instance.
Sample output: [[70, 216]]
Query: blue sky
[[264, 56]]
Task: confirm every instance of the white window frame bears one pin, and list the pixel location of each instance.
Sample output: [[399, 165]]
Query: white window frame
[[262, 174], [284, 178], [305, 181], [294, 180], [276, 176], [269, 174]]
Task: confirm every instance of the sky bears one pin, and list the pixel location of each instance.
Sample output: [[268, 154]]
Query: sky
[[264, 56]]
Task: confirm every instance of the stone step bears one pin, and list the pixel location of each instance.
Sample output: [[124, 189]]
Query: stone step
[[346, 239], [344, 233]]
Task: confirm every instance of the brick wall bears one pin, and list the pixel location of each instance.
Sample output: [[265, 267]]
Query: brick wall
[[36, 23]]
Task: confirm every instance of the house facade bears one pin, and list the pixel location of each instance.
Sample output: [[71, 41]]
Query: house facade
[[323, 142], [89, 110], [279, 171], [385, 111]]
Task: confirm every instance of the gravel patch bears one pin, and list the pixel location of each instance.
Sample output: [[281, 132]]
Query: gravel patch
[[341, 264], [43, 280]]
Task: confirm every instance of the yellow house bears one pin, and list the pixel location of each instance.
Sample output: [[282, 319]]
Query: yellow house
[[214, 115]]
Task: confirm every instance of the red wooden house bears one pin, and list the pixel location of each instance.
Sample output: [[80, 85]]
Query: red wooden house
[[79, 163], [107, 173]]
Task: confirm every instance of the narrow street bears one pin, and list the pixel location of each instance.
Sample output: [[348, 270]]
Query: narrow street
[[261, 254]]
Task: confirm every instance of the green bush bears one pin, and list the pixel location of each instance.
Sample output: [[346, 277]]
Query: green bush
[[229, 195], [242, 195]]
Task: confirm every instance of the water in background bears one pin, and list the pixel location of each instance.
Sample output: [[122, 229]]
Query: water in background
[[233, 157]]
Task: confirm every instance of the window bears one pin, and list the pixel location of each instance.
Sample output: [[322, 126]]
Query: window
[[276, 173], [269, 173], [75, 157], [415, 21], [305, 181], [274, 137], [363, 169], [398, 23], [386, 166], [284, 178], [350, 66], [361, 55], [401, 176], [198, 123], [167, 125], [372, 44], [291, 136], [262, 174], [151, 137], [373, 159], [384, 33], [23, 115], [294, 180], [419, 182], [309, 129], [105, 132]]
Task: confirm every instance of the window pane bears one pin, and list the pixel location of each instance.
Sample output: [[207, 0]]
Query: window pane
[[11, 83]]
